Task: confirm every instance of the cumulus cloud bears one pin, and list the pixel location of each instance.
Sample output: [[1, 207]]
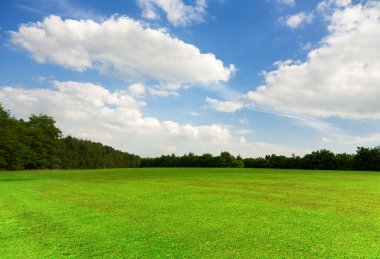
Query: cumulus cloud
[[119, 45], [136, 89], [177, 12], [296, 20], [82, 106], [215, 133], [326, 5], [91, 111], [340, 78], [224, 106]]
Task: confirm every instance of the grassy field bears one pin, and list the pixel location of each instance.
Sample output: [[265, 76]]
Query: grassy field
[[189, 213]]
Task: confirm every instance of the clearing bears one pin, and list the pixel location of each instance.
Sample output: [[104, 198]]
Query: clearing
[[193, 212]]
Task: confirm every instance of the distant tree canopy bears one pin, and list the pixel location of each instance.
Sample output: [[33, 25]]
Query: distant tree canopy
[[77, 153], [366, 159], [225, 159], [38, 144]]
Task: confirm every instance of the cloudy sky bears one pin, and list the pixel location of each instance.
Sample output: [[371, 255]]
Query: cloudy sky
[[156, 77]]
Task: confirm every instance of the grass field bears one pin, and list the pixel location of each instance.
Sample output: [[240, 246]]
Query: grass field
[[189, 213]]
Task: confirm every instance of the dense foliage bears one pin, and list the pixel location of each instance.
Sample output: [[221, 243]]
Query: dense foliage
[[366, 159], [38, 144], [77, 153], [225, 159]]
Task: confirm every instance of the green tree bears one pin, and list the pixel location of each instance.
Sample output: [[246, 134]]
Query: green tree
[[322, 159], [44, 142], [13, 147], [367, 159], [228, 160]]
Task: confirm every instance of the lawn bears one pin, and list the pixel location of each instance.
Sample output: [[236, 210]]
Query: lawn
[[193, 212]]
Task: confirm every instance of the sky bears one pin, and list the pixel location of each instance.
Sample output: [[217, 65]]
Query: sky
[[155, 77]]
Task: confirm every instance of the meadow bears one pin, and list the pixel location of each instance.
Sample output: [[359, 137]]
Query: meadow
[[192, 212]]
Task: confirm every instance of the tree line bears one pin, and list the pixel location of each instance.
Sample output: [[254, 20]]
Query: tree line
[[38, 144], [225, 159], [365, 159]]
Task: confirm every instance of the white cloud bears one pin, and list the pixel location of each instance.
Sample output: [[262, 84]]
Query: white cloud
[[91, 111], [326, 5], [215, 133], [296, 20], [177, 12], [226, 106], [121, 45], [339, 78], [195, 114], [315, 123], [136, 89], [356, 140], [245, 131], [307, 46], [287, 2], [161, 92]]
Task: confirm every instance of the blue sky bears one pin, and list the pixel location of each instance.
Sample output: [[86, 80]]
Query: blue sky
[[157, 77]]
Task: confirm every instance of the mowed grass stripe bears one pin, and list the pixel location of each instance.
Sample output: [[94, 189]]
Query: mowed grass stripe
[[192, 212]]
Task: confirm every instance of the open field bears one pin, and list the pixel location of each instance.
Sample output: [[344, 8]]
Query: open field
[[195, 212]]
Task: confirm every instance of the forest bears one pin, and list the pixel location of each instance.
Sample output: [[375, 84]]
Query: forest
[[365, 159], [39, 144]]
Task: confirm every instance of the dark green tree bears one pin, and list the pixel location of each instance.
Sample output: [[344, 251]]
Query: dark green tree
[[322, 159], [44, 142], [367, 159]]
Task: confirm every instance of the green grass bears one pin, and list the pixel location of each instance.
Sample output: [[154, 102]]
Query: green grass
[[189, 213]]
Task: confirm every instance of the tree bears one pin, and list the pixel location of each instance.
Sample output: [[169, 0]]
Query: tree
[[44, 142], [13, 148], [4, 120], [4, 114], [78, 153], [322, 159], [46, 125], [345, 161], [367, 159], [38, 144], [228, 160]]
